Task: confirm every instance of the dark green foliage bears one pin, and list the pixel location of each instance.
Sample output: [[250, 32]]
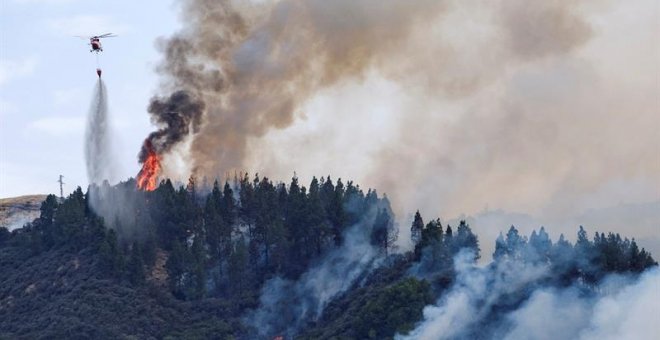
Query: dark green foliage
[[198, 268], [588, 260], [384, 234], [189, 262], [436, 249], [61, 295], [110, 258], [240, 274], [173, 212], [541, 245], [149, 251], [4, 235], [416, 229], [465, 239], [389, 301], [561, 257], [315, 216], [135, 266], [48, 208], [430, 236], [70, 219], [513, 246], [177, 265], [396, 309]]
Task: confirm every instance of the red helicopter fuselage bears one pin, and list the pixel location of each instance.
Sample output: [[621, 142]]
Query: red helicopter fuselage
[[96, 44]]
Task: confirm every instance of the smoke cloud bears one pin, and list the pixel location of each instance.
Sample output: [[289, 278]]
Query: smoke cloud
[[621, 311], [178, 115], [255, 65], [476, 306], [287, 306], [449, 106], [475, 292], [548, 110]]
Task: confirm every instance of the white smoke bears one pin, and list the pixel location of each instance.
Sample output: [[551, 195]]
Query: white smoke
[[619, 308], [285, 306], [631, 313], [547, 108], [619, 311], [474, 293]]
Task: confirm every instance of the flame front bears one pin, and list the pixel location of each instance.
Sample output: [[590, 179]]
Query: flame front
[[147, 178]]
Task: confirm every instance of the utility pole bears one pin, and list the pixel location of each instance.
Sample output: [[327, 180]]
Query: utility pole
[[61, 187]]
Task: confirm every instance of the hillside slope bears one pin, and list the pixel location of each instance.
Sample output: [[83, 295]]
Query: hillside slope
[[258, 260], [16, 211]]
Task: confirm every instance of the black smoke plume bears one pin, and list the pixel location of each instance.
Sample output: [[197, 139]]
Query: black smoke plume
[[176, 115]]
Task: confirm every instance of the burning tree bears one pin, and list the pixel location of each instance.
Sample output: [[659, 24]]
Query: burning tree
[[176, 115], [147, 178]]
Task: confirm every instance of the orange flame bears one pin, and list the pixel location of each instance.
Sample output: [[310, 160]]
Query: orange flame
[[147, 178]]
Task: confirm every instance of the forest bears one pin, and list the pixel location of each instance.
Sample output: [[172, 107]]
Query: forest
[[255, 259]]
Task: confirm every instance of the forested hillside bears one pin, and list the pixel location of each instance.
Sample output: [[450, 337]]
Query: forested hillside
[[252, 258]]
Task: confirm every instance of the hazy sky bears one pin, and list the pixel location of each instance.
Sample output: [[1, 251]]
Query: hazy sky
[[477, 112], [46, 82]]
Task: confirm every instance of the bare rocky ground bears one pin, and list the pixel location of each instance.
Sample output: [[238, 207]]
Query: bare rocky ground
[[16, 211]]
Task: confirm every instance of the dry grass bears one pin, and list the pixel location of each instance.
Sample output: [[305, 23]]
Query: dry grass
[[16, 211]]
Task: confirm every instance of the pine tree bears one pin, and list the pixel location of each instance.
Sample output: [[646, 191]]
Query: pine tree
[[431, 238], [416, 228], [266, 205], [48, 207], [449, 237], [514, 244], [217, 234], [135, 266], [586, 255], [69, 219], [176, 269], [500, 248], [353, 204], [300, 223], [51, 234], [316, 217], [149, 250], [466, 239], [110, 258], [538, 247], [247, 208], [197, 268], [228, 208], [240, 277], [562, 260], [384, 234], [336, 213]]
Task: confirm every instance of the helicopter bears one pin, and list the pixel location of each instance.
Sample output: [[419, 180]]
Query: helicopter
[[95, 41]]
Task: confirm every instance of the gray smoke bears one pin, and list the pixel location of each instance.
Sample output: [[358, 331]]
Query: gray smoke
[[619, 308], [254, 65], [482, 98], [177, 115], [99, 153], [547, 108], [286, 306]]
